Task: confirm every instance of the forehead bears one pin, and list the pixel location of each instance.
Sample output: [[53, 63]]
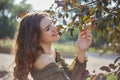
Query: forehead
[[45, 22]]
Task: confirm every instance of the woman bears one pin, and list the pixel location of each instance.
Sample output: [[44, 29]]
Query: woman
[[36, 56]]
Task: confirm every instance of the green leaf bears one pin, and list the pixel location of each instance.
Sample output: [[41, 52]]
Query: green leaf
[[67, 1], [70, 24], [86, 19], [59, 27], [92, 10], [22, 13], [108, 28], [71, 31], [74, 3]]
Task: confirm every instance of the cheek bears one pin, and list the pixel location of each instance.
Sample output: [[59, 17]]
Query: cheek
[[46, 36]]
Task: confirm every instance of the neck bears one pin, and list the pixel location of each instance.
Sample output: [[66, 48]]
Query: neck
[[46, 47]]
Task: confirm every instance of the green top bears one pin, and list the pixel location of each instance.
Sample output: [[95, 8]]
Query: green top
[[59, 70]]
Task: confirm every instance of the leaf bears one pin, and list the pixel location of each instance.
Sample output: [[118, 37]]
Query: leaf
[[108, 28], [70, 24], [76, 24], [59, 27], [99, 4], [60, 15], [106, 9], [74, 3], [118, 27], [22, 13], [98, 77], [85, 10], [64, 22], [67, 1], [59, 3], [92, 77], [104, 78], [105, 68], [86, 19], [52, 13], [71, 31], [116, 60], [67, 15], [112, 66], [119, 64], [92, 10], [54, 20]]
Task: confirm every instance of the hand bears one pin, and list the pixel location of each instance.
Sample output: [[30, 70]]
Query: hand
[[84, 40]]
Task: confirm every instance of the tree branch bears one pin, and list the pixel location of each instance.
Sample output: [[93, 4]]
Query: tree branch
[[81, 6]]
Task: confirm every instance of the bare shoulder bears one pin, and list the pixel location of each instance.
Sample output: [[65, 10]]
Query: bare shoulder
[[43, 61]]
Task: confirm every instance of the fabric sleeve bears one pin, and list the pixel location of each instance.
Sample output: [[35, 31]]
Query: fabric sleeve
[[76, 71]]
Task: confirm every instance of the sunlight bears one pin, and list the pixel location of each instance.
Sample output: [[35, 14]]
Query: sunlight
[[38, 4]]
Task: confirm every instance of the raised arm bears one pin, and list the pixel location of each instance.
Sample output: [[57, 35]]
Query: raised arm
[[76, 71], [84, 41]]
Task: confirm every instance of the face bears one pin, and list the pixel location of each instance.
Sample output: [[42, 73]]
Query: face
[[49, 31]]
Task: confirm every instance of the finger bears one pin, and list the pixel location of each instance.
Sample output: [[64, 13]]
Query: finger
[[89, 34], [82, 33], [83, 36], [88, 31], [89, 38]]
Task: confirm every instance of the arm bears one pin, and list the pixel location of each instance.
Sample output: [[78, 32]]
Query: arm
[[84, 41], [77, 69]]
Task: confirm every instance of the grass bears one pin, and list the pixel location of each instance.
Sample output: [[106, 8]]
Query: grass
[[6, 43], [109, 77], [70, 48], [65, 48]]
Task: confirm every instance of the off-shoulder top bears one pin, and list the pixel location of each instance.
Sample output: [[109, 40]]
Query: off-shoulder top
[[59, 70]]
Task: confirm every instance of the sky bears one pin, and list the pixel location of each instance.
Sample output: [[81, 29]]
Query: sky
[[38, 4]]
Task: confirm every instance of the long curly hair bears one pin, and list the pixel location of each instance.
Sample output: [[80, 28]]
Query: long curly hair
[[27, 48]]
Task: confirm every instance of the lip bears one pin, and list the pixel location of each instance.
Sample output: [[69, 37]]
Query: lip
[[55, 34]]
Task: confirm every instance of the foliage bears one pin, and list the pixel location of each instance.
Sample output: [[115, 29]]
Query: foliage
[[6, 43], [100, 16], [8, 12], [112, 72]]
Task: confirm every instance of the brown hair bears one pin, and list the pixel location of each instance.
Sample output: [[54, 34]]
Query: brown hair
[[27, 44]]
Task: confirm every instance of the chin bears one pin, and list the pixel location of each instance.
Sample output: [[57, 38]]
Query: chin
[[56, 39]]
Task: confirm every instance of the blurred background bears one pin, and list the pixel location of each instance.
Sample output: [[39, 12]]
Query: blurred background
[[98, 54]]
